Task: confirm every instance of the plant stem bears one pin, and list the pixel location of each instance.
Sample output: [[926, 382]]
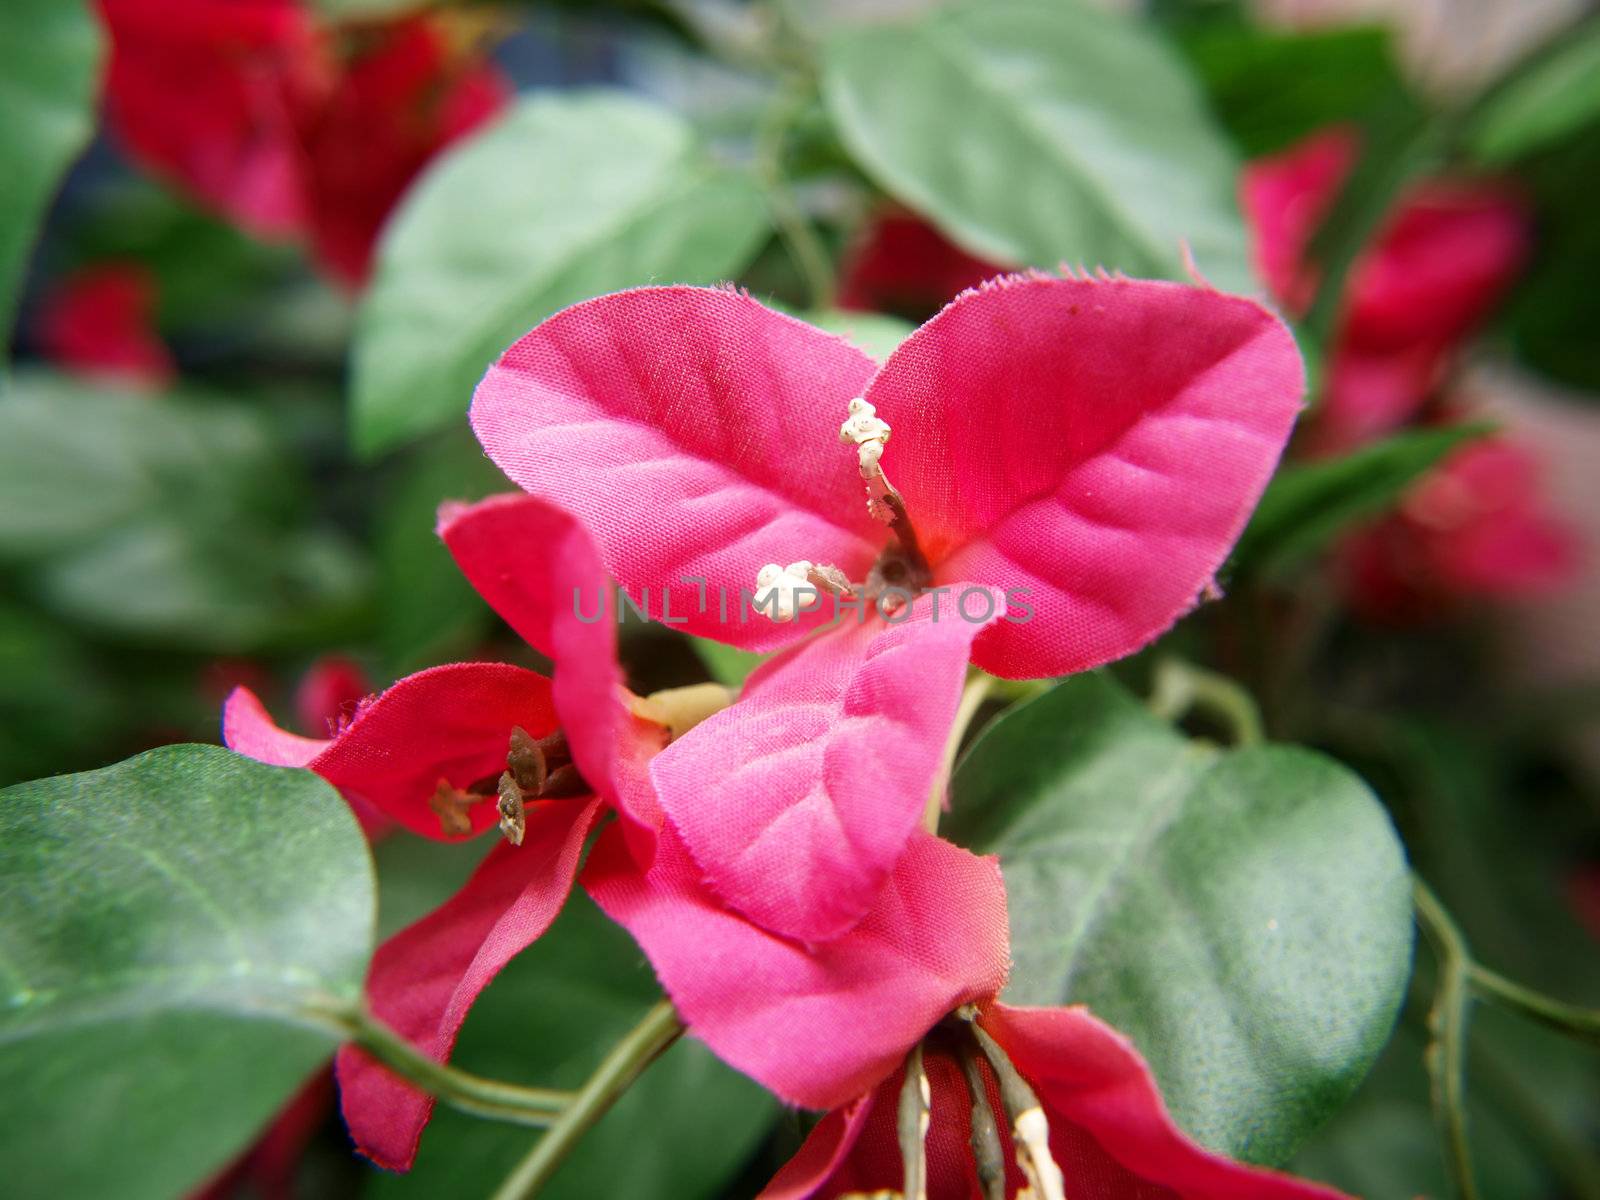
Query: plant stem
[[1580, 1023], [972, 697], [1447, 1022], [474, 1094], [1181, 686], [626, 1061], [805, 248]]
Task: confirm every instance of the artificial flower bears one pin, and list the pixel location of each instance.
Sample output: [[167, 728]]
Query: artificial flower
[[99, 323]]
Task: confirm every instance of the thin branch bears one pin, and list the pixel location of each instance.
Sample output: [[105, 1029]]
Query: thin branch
[[1180, 687], [805, 248], [615, 1074], [1575, 1022], [1447, 1023], [474, 1094], [972, 697]]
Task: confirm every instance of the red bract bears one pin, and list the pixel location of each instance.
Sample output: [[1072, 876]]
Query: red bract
[[1476, 526], [1085, 450], [1108, 1129], [289, 128], [100, 323], [441, 736], [901, 264], [1441, 261]]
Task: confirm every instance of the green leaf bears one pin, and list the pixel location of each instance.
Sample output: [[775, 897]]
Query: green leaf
[[173, 518], [426, 607], [49, 72], [729, 665], [166, 927], [1244, 917], [1041, 132], [1556, 97], [877, 334], [1305, 507], [565, 198], [679, 1133]]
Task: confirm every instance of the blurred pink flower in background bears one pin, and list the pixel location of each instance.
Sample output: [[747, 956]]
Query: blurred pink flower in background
[[99, 323], [1439, 264], [899, 263], [289, 127]]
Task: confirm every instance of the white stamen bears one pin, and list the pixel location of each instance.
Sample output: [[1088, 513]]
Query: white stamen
[[869, 433], [1032, 1133], [778, 591]]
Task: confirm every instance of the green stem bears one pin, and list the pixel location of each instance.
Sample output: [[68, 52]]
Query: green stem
[[1181, 686], [805, 248], [1580, 1023], [626, 1061], [474, 1094], [1447, 1023], [972, 697]]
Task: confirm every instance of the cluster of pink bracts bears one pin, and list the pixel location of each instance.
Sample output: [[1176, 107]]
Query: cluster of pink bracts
[[1095, 444]]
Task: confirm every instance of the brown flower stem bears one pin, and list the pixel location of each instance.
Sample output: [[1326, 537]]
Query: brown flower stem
[[988, 1150]]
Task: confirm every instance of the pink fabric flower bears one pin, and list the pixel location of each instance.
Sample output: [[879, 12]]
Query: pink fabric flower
[[1108, 1128], [100, 323], [1074, 458], [901, 264], [1441, 261], [288, 127], [1475, 526], [445, 733]]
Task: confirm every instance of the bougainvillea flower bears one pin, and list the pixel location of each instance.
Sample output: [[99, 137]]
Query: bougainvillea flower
[[100, 323], [439, 751], [1088, 450], [1438, 265], [207, 94], [901, 264], [408, 92], [1091, 1100], [288, 127], [1475, 526]]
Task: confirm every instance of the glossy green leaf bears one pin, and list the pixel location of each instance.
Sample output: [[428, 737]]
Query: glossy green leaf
[[1041, 132], [1557, 97], [565, 198], [679, 1133], [1306, 506], [166, 926], [49, 73], [1245, 917], [728, 665]]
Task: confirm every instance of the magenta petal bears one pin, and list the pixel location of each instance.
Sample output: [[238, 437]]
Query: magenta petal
[[425, 978], [799, 799], [537, 568], [1107, 1118], [819, 1026], [695, 433], [450, 723], [1092, 447]]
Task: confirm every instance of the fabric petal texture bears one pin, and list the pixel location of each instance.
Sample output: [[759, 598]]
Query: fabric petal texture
[[799, 800], [821, 1026], [425, 978], [450, 723], [1092, 446], [695, 433], [536, 566]]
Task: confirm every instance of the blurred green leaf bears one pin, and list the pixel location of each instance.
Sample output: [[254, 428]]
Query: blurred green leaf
[[49, 76], [1555, 97], [1306, 506], [1244, 917], [53, 701], [166, 926], [1039, 132], [875, 333], [565, 198], [426, 607], [173, 518], [1271, 89], [679, 1133], [729, 665]]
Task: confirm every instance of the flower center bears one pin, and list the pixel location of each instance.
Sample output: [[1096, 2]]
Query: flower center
[[536, 769]]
